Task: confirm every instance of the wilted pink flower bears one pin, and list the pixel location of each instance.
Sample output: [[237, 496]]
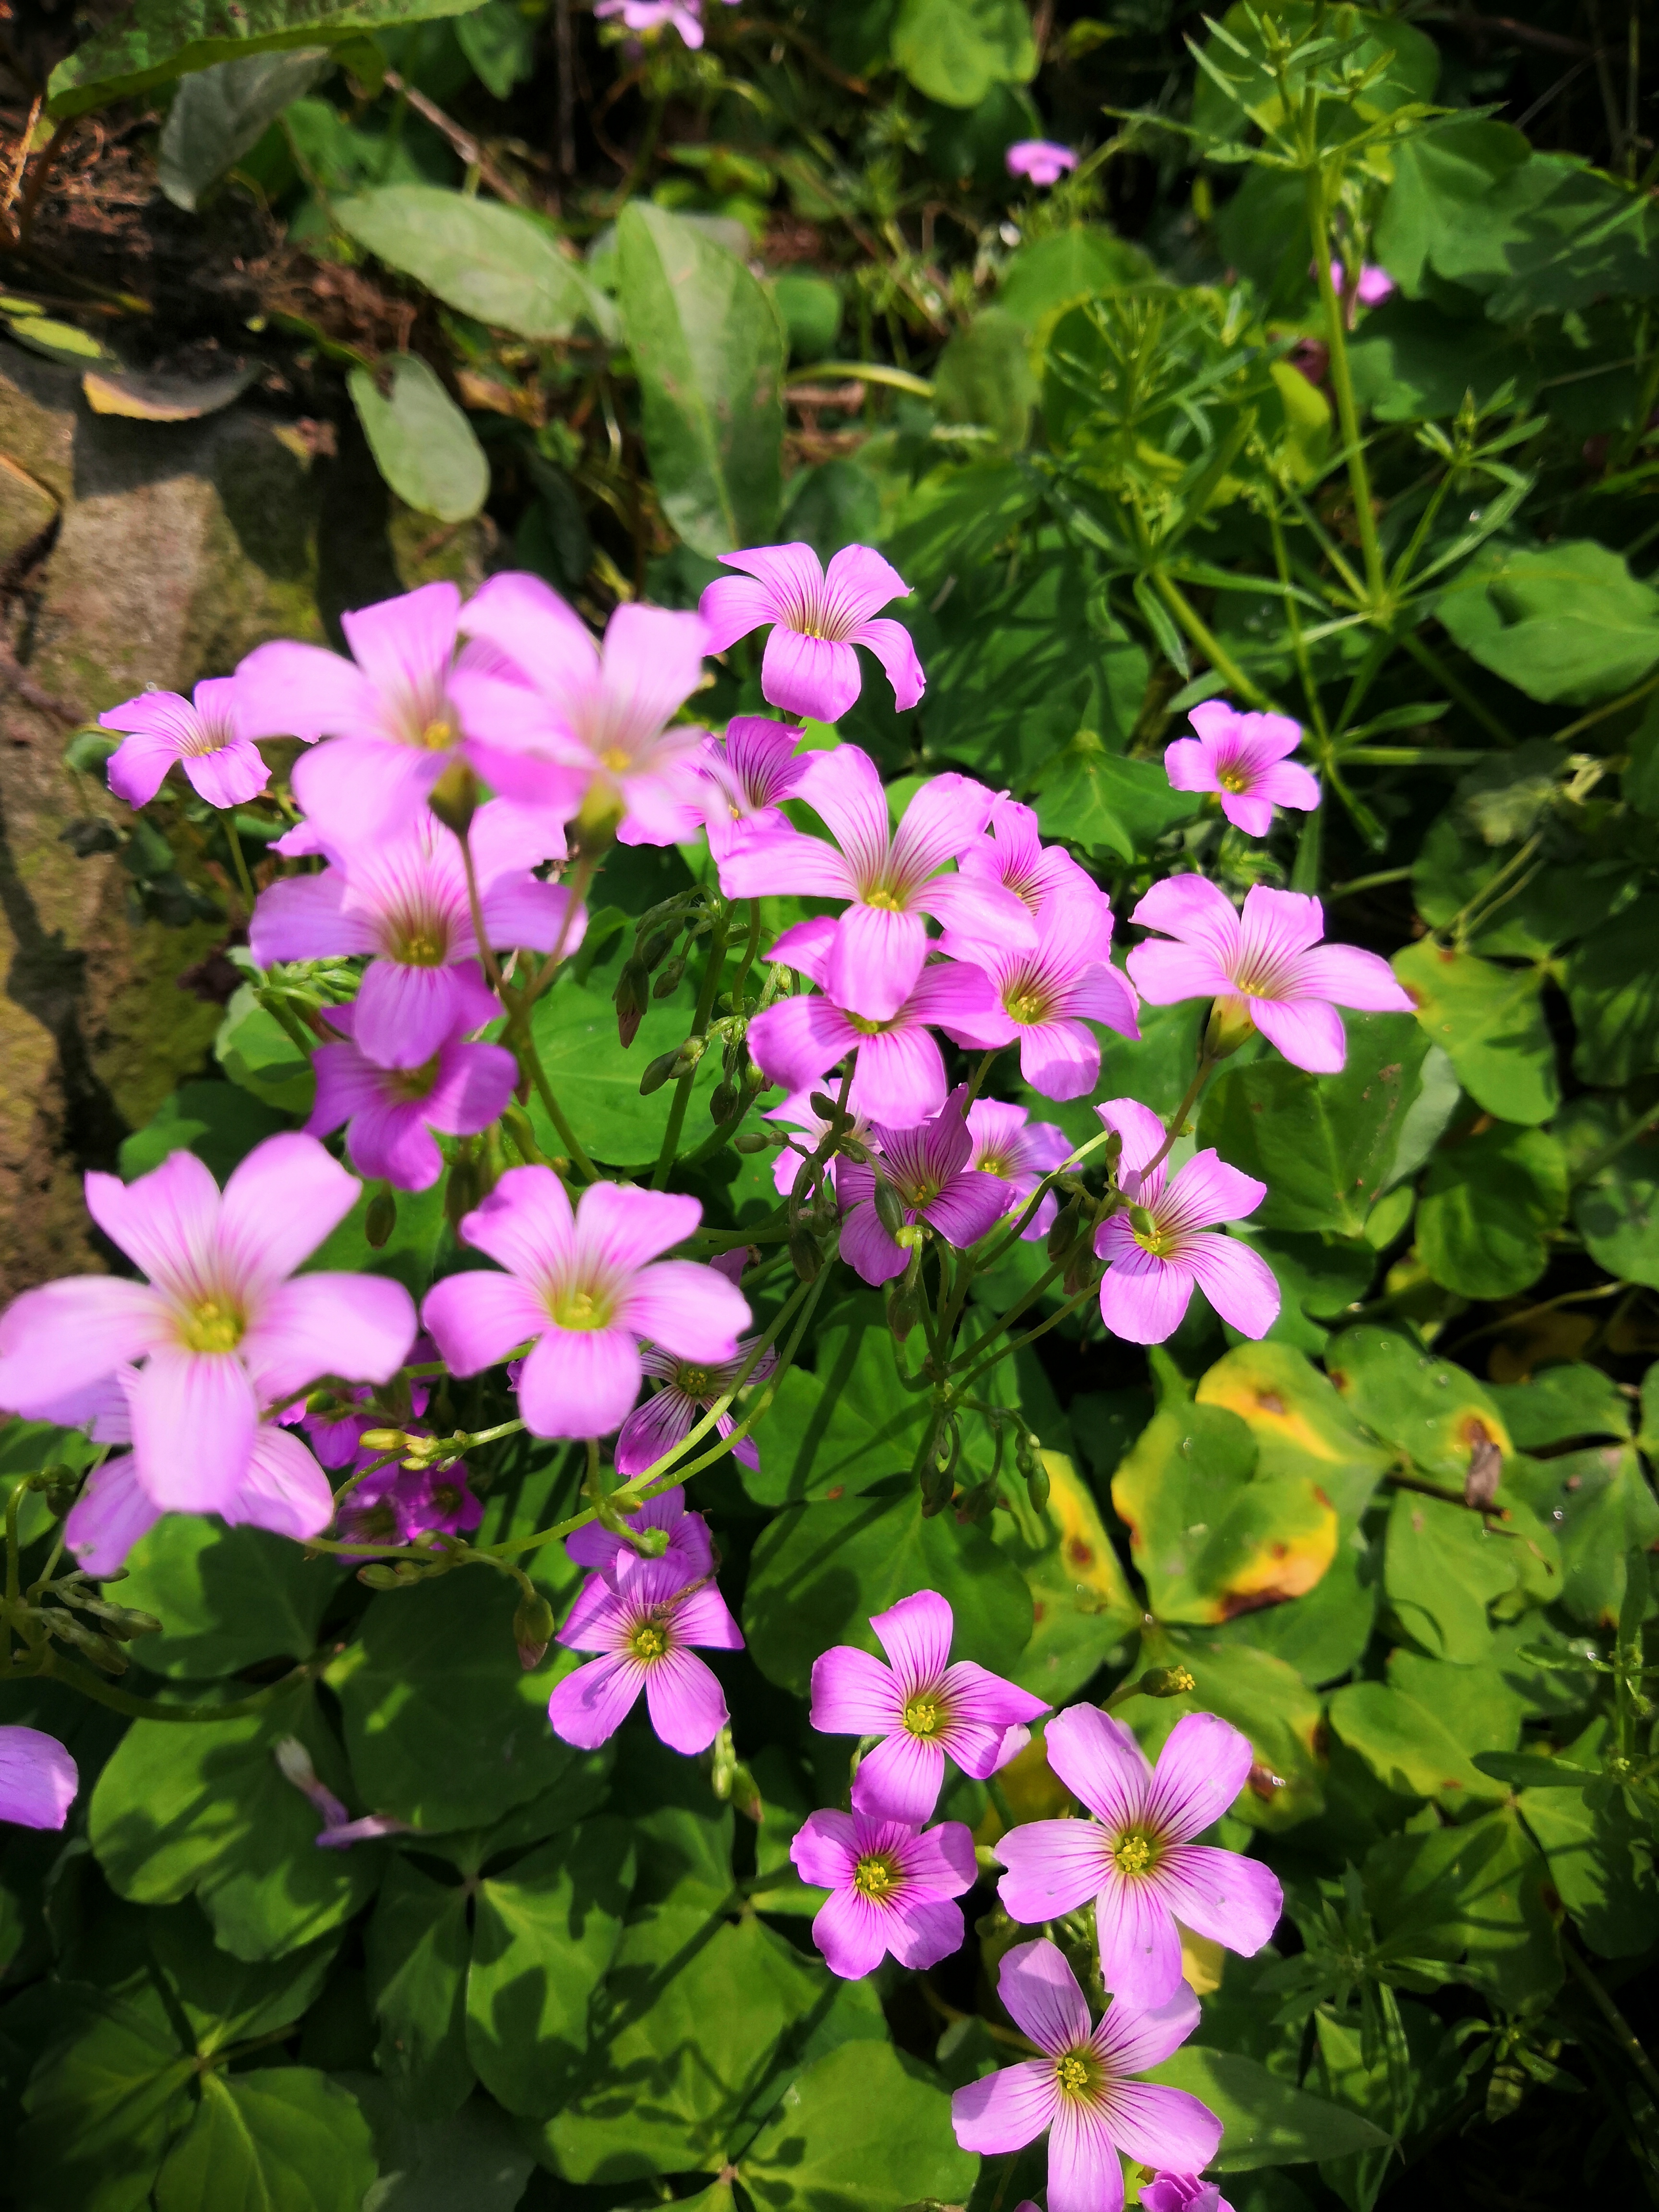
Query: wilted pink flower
[[1019, 1153], [1182, 2193], [339, 1831], [900, 1078], [38, 1778], [583, 1287], [921, 1707], [1243, 756], [1266, 965], [402, 899], [928, 1167], [879, 944], [1045, 995], [391, 1112], [687, 1538], [220, 1328], [797, 1113], [609, 751], [397, 711], [751, 769], [689, 1389], [205, 738], [1010, 852], [892, 1888], [643, 1620], [1081, 2089], [1040, 160], [1137, 1858], [809, 666], [1157, 1249]]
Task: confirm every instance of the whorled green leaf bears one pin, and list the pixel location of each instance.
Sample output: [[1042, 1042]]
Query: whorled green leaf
[[1599, 1862], [597, 1080], [280, 2139], [1568, 622], [417, 1947], [1475, 1894], [1441, 1569], [217, 114], [225, 1597], [1434, 1410], [1082, 1602], [423, 444], [488, 260], [1613, 988], [1098, 799], [864, 2130], [1490, 1022], [106, 2095], [833, 1430], [1266, 2120], [1487, 1209], [1264, 1698]]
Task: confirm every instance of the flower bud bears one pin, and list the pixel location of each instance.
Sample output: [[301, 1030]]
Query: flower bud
[[750, 1141], [1141, 1222], [912, 1235], [1165, 1682], [805, 1256], [380, 1578], [1062, 1234], [1230, 1026], [381, 1218], [724, 1101], [671, 978], [657, 1073], [519, 1128], [454, 798], [938, 1488], [383, 1440], [649, 950], [630, 999], [1036, 1484], [1080, 1271], [532, 1629], [903, 1308], [825, 1108], [460, 1190], [889, 1208]]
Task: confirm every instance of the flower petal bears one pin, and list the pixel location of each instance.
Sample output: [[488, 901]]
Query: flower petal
[[1190, 766], [1143, 1299], [875, 960], [478, 1317], [282, 1201], [359, 1328], [1052, 1867], [1204, 1765], [1230, 1899], [1195, 910], [703, 1618], [580, 1382], [621, 1229], [798, 1041], [229, 776], [687, 1704], [650, 1430], [1099, 1761], [165, 1221], [1349, 977], [969, 1205], [1207, 1191], [731, 607], [864, 1245], [689, 1309], [1060, 1059], [915, 1634], [853, 1933], [900, 1779], [940, 823], [1041, 1997], [525, 1224], [38, 1778], [111, 1513], [822, 1849], [1085, 2175], [1165, 973], [1140, 1943], [62, 1337], [1006, 2110], [1132, 2037], [1166, 2128], [285, 1490], [1238, 1282], [854, 1694], [844, 788], [923, 1931], [290, 690], [892, 645], [193, 1419], [1309, 1033], [812, 677], [588, 1707], [405, 1012]]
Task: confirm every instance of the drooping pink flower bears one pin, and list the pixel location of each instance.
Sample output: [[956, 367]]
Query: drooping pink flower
[[203, 734], [689, 1389], [390, 1113], [892, 1887], [610, 751], [1046, 995], [396, 711], [1040, 160], [1243, 756], [900, 1078], [928, 1167], [1137, 1858], [1163, 1244], [339, 1831], [38, 1778], [1182, 2193], [797, 1113], [1082, 2088], [750, 772], [817, 617], [1010, 852], [689, 1543], [921, 1706], [220, 1327], [1019, 1153], [644, 1620], [892, 878], [402, 899], [1266, 965], [583, 1286]]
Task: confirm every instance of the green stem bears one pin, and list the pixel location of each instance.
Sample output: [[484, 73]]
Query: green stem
[[751, 948], [525, 1045], [1341, 375], [486, 951], [1208, 643], [711, 983], [1623, 2034], [1017, 1343], [150, 1709], [977, 1080], [238, 857], [1454, 686], [1597, 1161]]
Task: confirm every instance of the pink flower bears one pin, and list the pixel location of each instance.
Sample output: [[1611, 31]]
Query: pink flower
[[1045, 995], [38, 1778], [582, 1287], [391, 1112], [689, 1389], [402, 899], [1374, 285], [1019, 1153], [207, 738], [1243, 757], [1010, 852], [394, 1504], [1081, 2089], [1137, 1858], [1157, 1249], [892, 1888], [689, 1543], [878, 945], [339, 1831], [809, 666], [900, 1078], [397, 711], [1266, 965], [1040, 160], [332, 1426], [607, 751], [751, 769], [684, 16], [1182, 2193], [644, 1621], [928, 1167], [220, 1328], [921, 1707], [797, 1113]]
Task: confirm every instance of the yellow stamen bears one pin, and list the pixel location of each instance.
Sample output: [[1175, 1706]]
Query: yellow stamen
[[213, 1325], [876, 1877], [1133, 1854]]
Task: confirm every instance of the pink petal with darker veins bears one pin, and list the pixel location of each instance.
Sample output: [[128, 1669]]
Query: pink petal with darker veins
[[915, 1634], [1053, 1868], [621, 1229], [1140, 1943], [281, 1202], [1041, 1997], [38, 1778], [1230, 1899], [580, 1382], [1084, 2171], [588, 1707], [815, 677], [1004, 2111], [193, 1419], [900, 1779], [687, 1704], [1142, 1299], [854, 1694], [358, 1327], [108, 1519], [689, 1309], [1309, 1034], [1238, 1282], [477, 1318]]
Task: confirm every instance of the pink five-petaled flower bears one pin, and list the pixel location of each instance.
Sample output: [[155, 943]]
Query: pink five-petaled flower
[[1182, 2193], [689, 1389], [593, 1546], [611, 754], [390, 1113], [642, 1619], [1011, 852], [403, 900], [921, 1707], [1080, 2089], [900, 1078], [1265, 965], [928, 1167], [891, 1888], [751, 770], [1018, 1152], [203, 734], [1040, 160], [1137, 1858], [1046, 997], [221, 1329], [880, 944], [583, 1286], [38, 1778], [397, 711], [1243, 756], [818, 616], [1158, 1248]]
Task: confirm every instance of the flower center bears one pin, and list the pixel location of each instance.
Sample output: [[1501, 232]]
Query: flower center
[[1133, 1853], [993, 1163], [213, 1325], [889, 902], [617, 759], [693, 1380], [925, 1714], [421, 947], [207, 738], [866, 1027], [581, 1310], [406, 1084], [876, 1877], [1148, 1234], [649, 1641], [1232, 779], [437, 735], [917, 1193], [375, 1524], [1078, 2074], [1029, 1006]]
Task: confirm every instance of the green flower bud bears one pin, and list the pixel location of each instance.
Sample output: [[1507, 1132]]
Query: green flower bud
[[532, 1629], [889, 1208], [657, 1073], [381, 1218]]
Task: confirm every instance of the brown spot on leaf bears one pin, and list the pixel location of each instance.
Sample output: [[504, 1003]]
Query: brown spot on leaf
[[1270, 1401], [1079, 1553], [1261, 1781]]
